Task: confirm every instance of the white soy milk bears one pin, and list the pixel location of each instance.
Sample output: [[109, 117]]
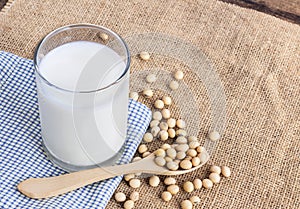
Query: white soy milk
[[83, 129]]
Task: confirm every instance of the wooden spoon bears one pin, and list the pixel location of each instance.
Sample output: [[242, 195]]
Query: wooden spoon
[[52, 186]]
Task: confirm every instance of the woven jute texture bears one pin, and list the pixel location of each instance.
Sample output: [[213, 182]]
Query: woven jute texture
[[257, 58]]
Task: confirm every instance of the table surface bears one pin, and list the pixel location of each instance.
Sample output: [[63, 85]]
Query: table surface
[[285, 9], [288, 10], [256, 62]]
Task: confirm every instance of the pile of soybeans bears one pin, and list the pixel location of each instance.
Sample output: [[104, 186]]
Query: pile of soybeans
[[184, 153]]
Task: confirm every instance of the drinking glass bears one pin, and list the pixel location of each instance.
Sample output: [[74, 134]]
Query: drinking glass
[[83, 127]]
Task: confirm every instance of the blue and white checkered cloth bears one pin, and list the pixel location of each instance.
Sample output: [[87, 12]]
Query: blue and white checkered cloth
[[21, 153]]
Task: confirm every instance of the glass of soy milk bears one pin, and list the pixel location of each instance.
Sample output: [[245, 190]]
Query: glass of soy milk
[[82, 77]]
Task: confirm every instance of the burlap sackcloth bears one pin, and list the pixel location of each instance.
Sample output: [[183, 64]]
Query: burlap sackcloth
[[257, 58]]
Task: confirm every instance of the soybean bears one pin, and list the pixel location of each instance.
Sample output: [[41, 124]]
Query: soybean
[[178, 75], [173, 189], [215, 178], [163, 126], [120, 197], [103, 36], [203, 157], [194, 144], [197, 183], [160, 153], [186, 164], [214, 136], [154, 181], [170, 181], [200, 149], [145, 55], [166, 113], [173, 85], [195, 200], [135, 183], [151, 78], [129, 204], [180, 123], [226, 171], [196, 161], [168, 159], [163, 135], [192, 153], [208, 184], [134, 196], [128, 177], [148, 93], [171, 153], [154, 131], [192, 139], [146, 154], [136, 159], [181, 132], [166, 196], [157, 115], [159, 104], [177, 161], [181, 140], [188, 186], [171, 133], [173, 166], [154, 123], [215, 169], [148, 137], [171, 122], [165, 146], [167, 100], [134, 96], [182, 147], [180, 155], [142, 148], [186, 204], [160, 161]]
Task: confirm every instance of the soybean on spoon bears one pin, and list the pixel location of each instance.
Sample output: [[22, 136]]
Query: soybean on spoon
[[38, 188]]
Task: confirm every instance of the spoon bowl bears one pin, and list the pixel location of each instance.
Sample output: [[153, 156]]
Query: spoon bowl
[[38, 188]]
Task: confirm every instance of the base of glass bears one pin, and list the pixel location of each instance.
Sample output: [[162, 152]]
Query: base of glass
[[72, 168]]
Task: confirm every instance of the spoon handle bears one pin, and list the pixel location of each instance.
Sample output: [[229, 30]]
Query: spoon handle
[[52, 186]]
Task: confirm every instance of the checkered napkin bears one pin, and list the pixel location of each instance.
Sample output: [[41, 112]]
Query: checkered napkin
[[21, 153]]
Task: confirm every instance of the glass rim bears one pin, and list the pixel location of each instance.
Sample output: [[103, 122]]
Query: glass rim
[[81, 25]]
